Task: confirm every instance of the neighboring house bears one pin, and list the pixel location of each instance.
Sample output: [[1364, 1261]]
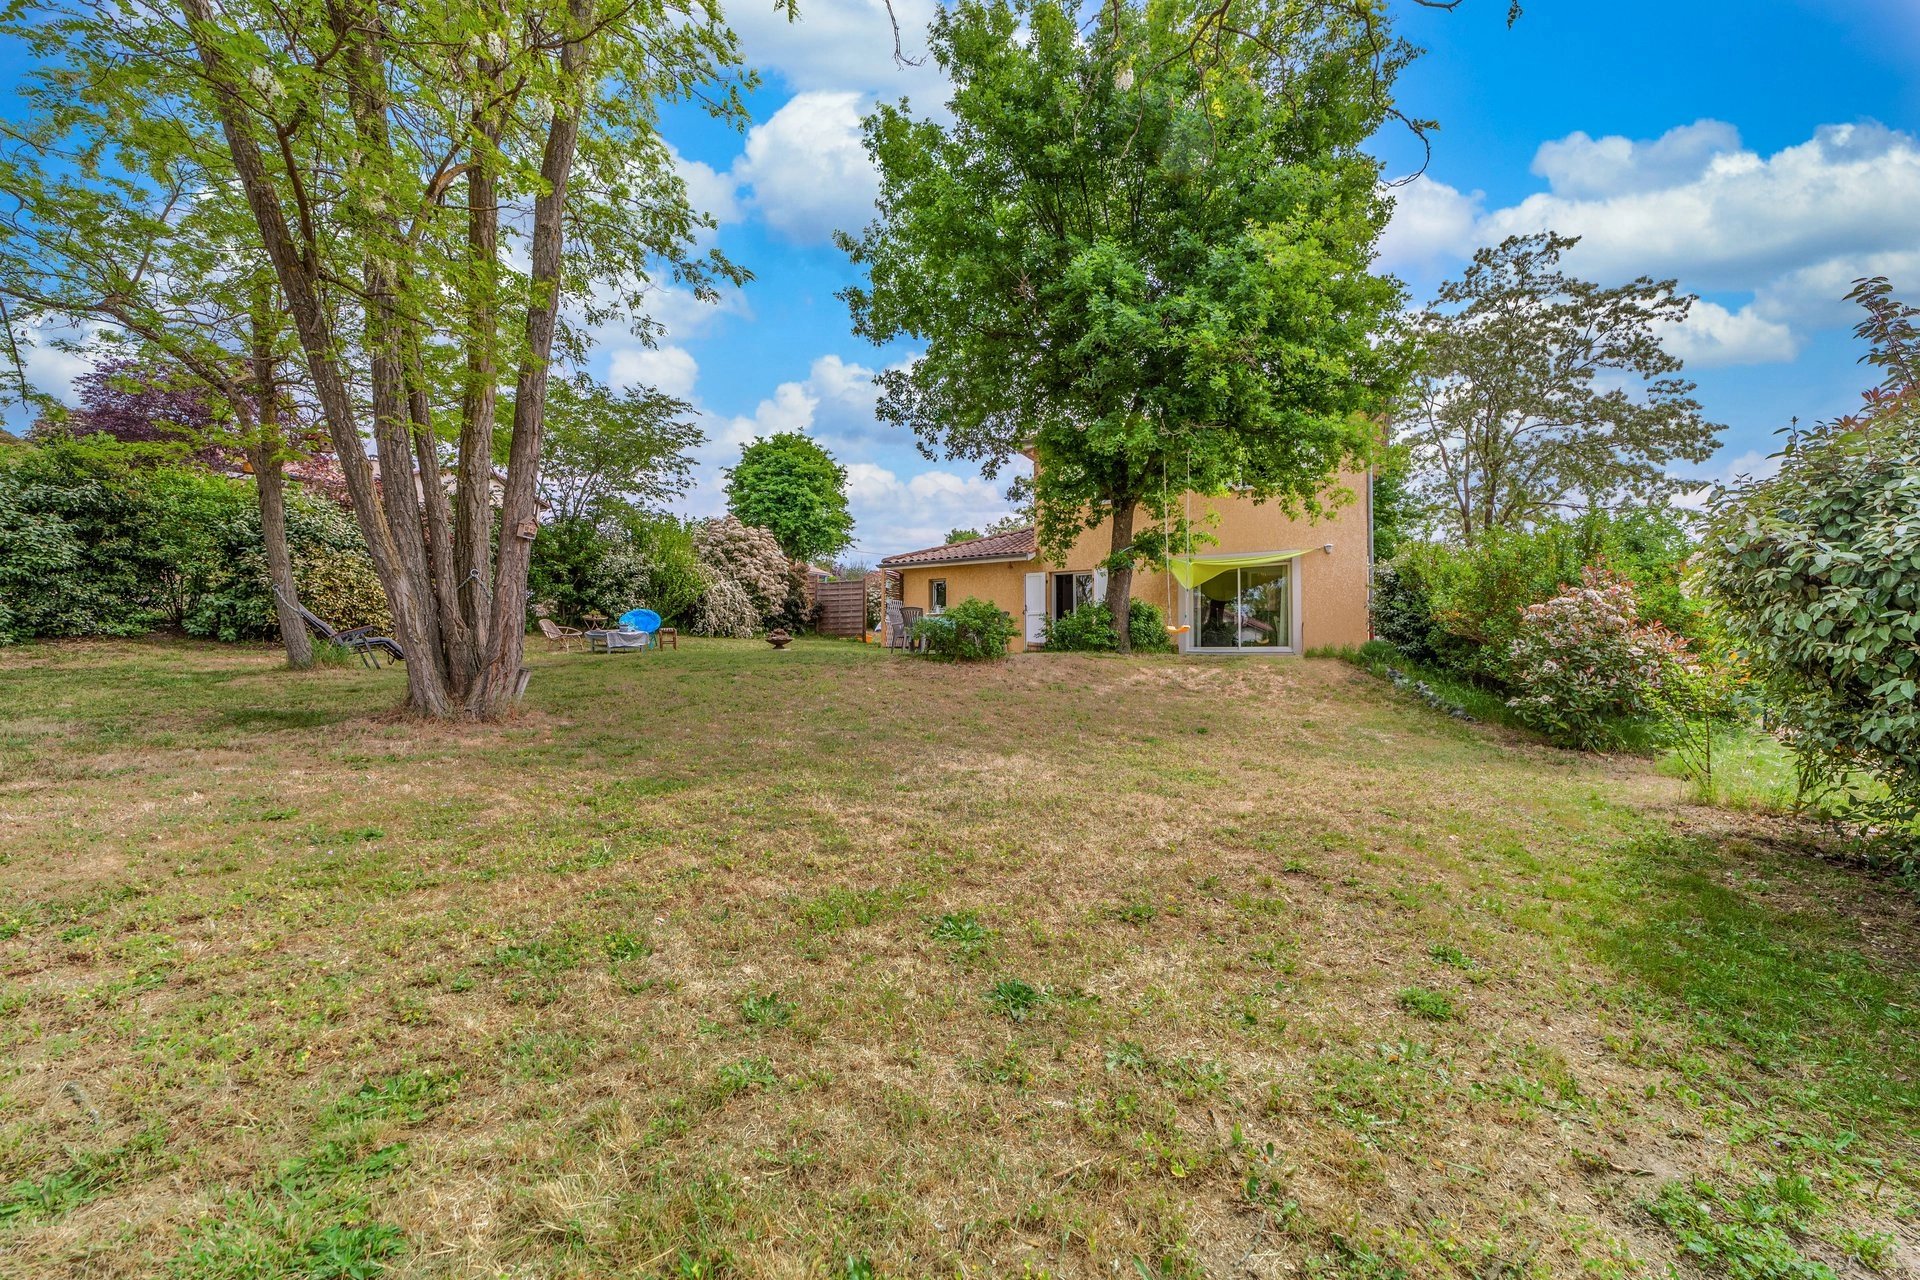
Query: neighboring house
[[1266, 584]]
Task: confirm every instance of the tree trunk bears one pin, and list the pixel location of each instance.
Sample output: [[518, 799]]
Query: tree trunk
[[300, 284], [266, 454], [500, 683], [1120, 573], [473, 481], [269, 479]]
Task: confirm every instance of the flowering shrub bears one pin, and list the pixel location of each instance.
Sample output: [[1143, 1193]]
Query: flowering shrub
[[748, 556], [726, 610], [1584, 660], [970, 630]]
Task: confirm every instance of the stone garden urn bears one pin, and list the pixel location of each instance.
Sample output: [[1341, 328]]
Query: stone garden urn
[[779, 638]]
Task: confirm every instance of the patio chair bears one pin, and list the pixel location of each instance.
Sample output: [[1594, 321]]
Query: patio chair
[[360, 640], [559, 637], [903, 636]]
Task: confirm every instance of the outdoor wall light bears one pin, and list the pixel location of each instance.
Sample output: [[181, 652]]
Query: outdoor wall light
[[1328, 548]]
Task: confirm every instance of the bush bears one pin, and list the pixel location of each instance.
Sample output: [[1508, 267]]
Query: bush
[[1585, 661], [104, 538], [968, 631], [1089, 629], [672, 582], [746, 555], [1815, 575], [78, 528], [1459, 608], [726, 609]]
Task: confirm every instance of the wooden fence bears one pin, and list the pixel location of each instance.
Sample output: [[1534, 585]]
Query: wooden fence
[[843, 608]]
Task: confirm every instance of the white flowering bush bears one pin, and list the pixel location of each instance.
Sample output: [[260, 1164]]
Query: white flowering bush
[[726, 610], [746, 555], [1585, 660]]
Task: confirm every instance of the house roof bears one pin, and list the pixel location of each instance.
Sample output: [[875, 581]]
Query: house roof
[[1015, 544]]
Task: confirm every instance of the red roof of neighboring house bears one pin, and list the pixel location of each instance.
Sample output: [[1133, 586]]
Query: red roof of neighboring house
[[1015, 544]]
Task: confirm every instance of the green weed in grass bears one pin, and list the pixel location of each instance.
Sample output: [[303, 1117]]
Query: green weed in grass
[[1748, 1233], [1015, 998], [1422, 1003], [766, 1011]]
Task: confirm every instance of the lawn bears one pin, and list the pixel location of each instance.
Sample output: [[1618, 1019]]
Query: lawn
[[834, 963]]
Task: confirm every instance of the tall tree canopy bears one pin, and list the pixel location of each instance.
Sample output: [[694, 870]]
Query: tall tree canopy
[[606, 451], [788, 484], [1140, 251], [382, 156], [1538, 392]]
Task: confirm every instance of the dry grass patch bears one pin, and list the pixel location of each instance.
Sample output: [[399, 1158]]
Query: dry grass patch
[[728, 962]]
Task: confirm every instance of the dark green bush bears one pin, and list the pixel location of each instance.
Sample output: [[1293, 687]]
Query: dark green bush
[[968, 631], [1089, 629], [103, 538]]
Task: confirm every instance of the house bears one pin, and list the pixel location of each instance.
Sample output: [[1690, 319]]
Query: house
[[1268, 583]]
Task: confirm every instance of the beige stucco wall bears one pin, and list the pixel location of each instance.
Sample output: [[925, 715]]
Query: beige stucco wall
[[1333, 585]]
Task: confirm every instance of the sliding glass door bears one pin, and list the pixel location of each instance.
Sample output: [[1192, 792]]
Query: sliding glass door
[[1244, 609]]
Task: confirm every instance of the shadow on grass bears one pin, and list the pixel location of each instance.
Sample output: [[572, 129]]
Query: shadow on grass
[[1781, 981]]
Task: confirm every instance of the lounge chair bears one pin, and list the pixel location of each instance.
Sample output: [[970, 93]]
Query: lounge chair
[[559, 637], [360, 640]]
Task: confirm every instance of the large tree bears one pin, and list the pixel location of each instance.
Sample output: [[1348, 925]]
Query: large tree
[[388, 156], [1539, 393], [789, 485], [1139, 251]]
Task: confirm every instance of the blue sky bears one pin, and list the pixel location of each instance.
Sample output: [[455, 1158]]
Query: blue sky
[[1762, 153]]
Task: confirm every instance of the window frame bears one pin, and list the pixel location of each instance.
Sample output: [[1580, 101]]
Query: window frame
[[936, 597]]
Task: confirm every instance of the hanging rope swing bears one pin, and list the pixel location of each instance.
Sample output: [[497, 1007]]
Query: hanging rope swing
[[1174, 627]]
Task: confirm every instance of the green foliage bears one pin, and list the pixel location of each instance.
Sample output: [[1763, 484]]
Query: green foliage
[[1459, 606], [1015, 998], [78, 531], [1816, 575], [1536, 390], [1089, 629], [969, 631], [1584, 661], [1423, 1003], [789, 485], [1140, 251], [609, 454], [105, 538], [581, 567], [1747, 1235]]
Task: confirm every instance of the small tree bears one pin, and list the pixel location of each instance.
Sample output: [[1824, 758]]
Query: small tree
[[788, 484], [1140, 251], [1815, 574], [608, 451], [1537, 392]]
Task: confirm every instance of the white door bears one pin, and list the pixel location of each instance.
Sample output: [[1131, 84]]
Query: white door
[[1036, 608]]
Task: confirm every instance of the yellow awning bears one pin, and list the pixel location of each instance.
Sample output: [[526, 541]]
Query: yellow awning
[[1191, 571]]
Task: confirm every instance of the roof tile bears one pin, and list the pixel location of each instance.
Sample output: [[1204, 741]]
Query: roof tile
[[1015, 544]]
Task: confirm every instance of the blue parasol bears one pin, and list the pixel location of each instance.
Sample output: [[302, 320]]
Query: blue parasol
[[640, 620]]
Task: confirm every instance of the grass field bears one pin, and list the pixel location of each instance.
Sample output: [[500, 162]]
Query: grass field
[[829, 963]]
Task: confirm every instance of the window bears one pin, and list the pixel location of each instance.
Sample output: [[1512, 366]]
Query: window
[[937, 596], [1244, 609], [1070, 591]]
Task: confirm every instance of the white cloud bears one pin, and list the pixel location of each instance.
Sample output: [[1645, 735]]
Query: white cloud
[[1712, 335], [808, 169], [1431, 220], [1792, 230], [708, 190], [670, 369], [842, 44], [892, 514]]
